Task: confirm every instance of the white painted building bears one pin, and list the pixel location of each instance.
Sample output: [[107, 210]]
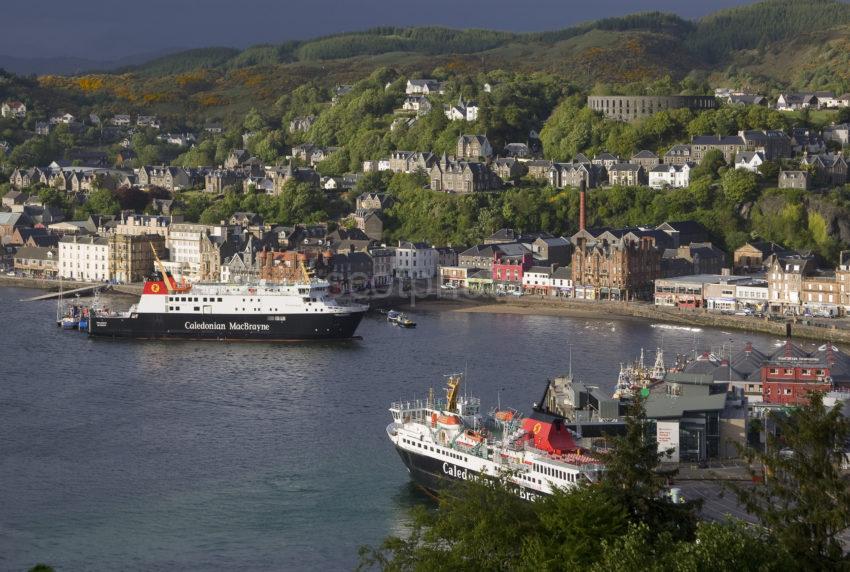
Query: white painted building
[[13, 109], [84, 258], [415, 260], [422, 86], [670, 176], [537, 280], [189, 245], [749, 161], [752, 295], [462, 111]]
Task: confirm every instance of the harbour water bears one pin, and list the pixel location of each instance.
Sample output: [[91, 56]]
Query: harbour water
[[220, 456]]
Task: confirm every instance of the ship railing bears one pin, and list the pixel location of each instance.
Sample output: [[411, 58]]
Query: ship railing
[[466, 405], [572, 460], [418, 404], [392, 429]]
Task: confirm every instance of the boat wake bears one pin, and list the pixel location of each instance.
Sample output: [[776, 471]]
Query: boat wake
[[674, 327]]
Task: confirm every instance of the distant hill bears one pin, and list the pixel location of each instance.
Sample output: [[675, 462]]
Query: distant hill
[[771, 45], [72, 66]]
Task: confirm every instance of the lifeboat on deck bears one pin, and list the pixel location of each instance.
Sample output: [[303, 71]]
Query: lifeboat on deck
[[470, 438], [448, 421], [504, 415]]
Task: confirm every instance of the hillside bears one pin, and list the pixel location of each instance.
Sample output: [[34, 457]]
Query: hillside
[[767, 46]]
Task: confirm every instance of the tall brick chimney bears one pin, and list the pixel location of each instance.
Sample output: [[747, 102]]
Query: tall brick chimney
[[581, 205]]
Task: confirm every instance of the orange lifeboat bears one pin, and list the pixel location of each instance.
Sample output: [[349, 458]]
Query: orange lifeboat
[[474, 436], [449, 421], [505, 415]]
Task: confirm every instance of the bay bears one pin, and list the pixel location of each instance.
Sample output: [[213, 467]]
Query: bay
[[215, 456]]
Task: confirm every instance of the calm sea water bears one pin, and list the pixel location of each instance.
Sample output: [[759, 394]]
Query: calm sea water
[[250, 456]]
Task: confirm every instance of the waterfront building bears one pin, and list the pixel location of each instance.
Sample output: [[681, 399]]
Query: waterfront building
[[742, 371], [454, 276], [84, 258], [481, 255], [752, 295], [415, 260], [195, 249], [791, 374], [131, 256], [696, 418], [711, 291], [785, 281], [618, 265], [507, 271], [819, 294], [693, 258], [37, 261], [383, 260]]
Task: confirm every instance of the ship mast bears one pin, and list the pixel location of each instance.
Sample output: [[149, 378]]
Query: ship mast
[[451, 392], [161, 269]]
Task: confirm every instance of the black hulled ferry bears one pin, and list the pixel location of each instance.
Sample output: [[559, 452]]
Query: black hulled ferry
[[440, 440], [298, 310]]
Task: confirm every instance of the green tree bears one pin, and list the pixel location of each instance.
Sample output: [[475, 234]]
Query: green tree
[[805, 498], [739, 185], [300, 203], [254, 121], [770, 170], [268, 147], [731, 545], [101, 201], [574, 543], [633, 481], [710, 165], [477, 527], [53, 197]]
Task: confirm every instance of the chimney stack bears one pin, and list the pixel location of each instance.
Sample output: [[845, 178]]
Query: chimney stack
[[581, 205]]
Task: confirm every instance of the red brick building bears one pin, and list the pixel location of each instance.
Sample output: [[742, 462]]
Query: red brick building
[[791, 375], [615, 267]]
